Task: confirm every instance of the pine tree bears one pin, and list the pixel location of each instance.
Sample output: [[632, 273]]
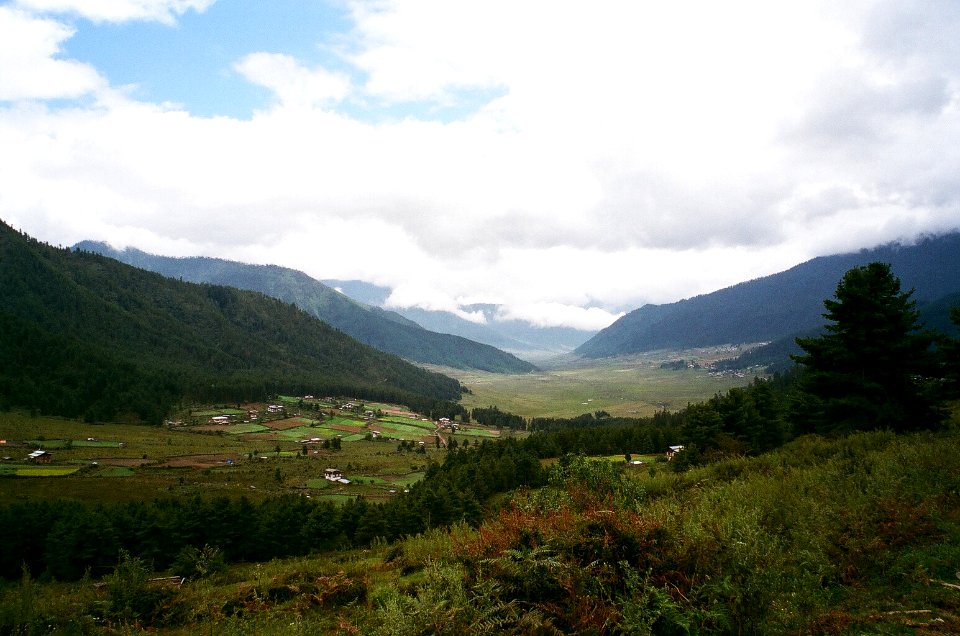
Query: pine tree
[[866, 371]]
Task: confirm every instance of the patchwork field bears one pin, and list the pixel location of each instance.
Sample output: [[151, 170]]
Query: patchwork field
[[253, 459], [285, 448]]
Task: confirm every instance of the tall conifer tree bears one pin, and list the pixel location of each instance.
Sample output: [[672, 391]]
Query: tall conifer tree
[[866, 371]]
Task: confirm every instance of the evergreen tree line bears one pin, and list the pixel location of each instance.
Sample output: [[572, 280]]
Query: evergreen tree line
[[894, 376], [64, 540], [492, 416], [87, 337]]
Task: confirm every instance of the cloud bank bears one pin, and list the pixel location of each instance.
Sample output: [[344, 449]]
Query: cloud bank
[[565, 163]]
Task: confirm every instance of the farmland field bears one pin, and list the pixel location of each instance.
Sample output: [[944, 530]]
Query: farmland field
[[634, 386], [266, 457], [46, 471], [206, 460]]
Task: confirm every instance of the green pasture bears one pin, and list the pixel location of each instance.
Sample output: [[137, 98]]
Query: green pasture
[[367, 480], [46, 471], [245, 428], [392, 429], [306, 432], [115, 471], [339, 420], [338, 499], [399, 419], [49, 444], [477, 432], [406, 480], [84, 443], [10, 470], [624, 387]]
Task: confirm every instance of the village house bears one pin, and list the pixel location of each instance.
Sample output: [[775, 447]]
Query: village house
[[672, 450], [334, 474], [40, 457]]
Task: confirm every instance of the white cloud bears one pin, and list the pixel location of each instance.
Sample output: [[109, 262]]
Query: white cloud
[[165, 11], [621, 154], [559, 315], [29, 68], [293, 84]]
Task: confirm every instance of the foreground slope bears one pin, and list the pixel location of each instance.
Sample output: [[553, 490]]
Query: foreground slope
[[87, 335], [382, 330], [775, 306]]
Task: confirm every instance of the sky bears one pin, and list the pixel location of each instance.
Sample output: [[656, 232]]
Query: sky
[[564, 161]]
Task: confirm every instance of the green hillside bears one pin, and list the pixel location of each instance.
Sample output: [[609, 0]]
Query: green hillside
[[383, 330], [776, 306], [84, 334]]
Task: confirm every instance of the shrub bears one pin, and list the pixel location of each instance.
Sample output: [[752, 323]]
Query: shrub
[[198, 563]]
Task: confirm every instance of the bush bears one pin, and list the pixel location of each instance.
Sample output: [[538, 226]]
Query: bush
[[132, 599], [194, 563]]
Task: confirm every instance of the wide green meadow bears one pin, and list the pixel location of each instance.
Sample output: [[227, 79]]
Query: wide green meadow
[[635, 386]]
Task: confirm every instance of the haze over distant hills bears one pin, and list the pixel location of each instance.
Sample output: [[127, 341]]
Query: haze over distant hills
[[780, 305], [515, 336], [383, 330]]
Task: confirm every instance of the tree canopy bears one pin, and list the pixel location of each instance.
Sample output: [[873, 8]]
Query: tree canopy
[[869, 369]]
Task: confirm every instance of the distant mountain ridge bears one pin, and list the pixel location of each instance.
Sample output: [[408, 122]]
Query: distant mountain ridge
[[515, 336], [776, 306], [84, 335], [386, 331]]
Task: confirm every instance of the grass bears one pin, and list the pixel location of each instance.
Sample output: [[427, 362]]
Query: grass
[[403, 431], [115, 471], [85, 443], [247, 427], [46, 471], [624, 387], [853, 536], [175, 461], [477, 432]]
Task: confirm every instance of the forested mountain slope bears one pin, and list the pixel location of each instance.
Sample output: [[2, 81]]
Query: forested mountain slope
[[516, 336], [85, 335], [775, 306], [386, 331]]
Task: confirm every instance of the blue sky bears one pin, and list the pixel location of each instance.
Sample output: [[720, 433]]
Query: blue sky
[[566, 162], [191, 61]]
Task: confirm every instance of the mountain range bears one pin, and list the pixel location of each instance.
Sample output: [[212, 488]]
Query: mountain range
[[84, 335], [384, 330], [782, 305], [516, 336]]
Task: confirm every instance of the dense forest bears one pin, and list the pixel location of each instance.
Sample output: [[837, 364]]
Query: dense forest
[[781, 305], [571, 545], [86, 336], [385, 331]]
